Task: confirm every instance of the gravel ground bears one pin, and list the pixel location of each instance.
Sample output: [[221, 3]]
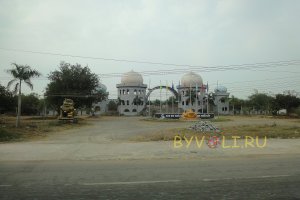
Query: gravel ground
[[106, 138]]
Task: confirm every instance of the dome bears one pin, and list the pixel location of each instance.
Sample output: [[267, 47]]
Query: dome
[[220, 88], [101, 87], [191, 79], [132, 78]]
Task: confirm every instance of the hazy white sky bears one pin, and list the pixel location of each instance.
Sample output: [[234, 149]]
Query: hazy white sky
[[202, 33]]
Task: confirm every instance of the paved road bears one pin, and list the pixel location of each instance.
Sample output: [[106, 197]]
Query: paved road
[[98, 162], [271, 177]]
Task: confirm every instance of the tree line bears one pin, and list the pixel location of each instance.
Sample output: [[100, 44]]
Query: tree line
[[68, 81], [82, 86]]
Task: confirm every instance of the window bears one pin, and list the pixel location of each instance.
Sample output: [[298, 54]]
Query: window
[[126, 110], [127, 102], [183, 103], [134, 110], [222, 100]]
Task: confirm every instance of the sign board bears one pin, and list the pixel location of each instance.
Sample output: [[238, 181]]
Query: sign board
[[177, 116]]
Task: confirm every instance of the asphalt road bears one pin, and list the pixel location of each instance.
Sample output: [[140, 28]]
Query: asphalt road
[[100, 162], [269, 177]]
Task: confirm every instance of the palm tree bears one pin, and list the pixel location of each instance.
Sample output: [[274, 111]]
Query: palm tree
[[21, 73]]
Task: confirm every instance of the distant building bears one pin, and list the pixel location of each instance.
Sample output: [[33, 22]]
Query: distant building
[[101, 107], [192, 93], [221, 100], [131, 94]]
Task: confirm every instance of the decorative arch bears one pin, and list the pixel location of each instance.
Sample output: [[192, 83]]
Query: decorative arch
[[163, 87]]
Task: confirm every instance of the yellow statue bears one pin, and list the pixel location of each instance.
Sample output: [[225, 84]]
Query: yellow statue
[[189, 114], [67, 110]]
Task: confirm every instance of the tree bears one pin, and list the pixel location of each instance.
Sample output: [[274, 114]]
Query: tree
[[30, 104], [156, 102], [260, 101], [21, 73], [112, 106], [75, 82], [235, 104], [137, 101], [7, 100], [191, 95], [286, 101]]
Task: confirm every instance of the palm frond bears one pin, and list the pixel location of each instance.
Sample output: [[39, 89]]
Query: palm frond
[[28, 82], [16, 88], [11, 82]]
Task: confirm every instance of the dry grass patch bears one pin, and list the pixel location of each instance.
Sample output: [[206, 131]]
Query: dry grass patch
[[270, 131], [32, 128]]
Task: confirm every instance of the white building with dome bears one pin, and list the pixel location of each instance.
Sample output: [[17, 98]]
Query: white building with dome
[[192, 93], [221, 100], [131, 94]]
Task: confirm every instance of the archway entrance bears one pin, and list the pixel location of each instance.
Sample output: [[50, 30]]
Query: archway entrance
[[162, 87]]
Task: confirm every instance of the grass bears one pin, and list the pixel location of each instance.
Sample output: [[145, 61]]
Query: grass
[[217, 119], [161, 120], [221, 119], [33, 128], [270, 131], [6, 135]]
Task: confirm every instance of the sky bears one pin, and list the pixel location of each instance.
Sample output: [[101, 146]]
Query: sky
[[198, 33]]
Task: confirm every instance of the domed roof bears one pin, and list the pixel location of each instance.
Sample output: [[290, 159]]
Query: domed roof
[[191, 79], [101, 87], [220, 88], [132, 78]]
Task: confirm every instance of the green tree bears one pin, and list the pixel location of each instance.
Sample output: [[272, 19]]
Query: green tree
[[30, 104], [7, 100], [287, 102], [112, 106], [191, 95], [75, 82], [235, 103], [156, 102], [260, 101], [21, 73]]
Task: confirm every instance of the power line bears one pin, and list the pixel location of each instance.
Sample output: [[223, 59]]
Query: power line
[[138, 61]]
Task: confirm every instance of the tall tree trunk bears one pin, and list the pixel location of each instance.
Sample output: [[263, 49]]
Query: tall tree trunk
[[19, 106]]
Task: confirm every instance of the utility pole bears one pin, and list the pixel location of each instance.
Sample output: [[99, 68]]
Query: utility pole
[[149, 98], [233, 104], [190, 96], [160, 98], [172, 104]]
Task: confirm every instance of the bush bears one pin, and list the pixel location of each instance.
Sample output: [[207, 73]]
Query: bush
[[7, 136]]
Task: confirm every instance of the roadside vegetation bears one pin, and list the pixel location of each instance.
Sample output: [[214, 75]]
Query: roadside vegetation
[[270, 130], [33, 127]]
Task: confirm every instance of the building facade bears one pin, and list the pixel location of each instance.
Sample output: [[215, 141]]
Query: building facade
[[221, 100], [192, 93], [131, 94]]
